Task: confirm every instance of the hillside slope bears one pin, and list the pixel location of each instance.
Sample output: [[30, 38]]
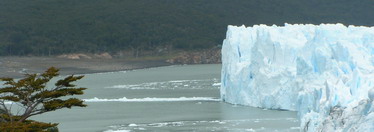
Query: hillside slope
[[45, 27]]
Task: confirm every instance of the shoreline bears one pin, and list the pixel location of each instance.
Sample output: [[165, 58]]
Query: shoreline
[[16, 67]]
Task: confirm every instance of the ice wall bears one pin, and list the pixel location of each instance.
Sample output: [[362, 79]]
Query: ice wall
[[325, 72]]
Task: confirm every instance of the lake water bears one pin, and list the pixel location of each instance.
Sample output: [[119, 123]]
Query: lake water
[[172, 98]]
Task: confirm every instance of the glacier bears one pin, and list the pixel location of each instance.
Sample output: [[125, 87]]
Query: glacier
[[325, 72]]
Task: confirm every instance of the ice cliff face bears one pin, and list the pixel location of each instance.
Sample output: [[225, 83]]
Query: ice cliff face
[[325, 72]]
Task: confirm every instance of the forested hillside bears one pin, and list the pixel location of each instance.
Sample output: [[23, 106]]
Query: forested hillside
[[50, 27]]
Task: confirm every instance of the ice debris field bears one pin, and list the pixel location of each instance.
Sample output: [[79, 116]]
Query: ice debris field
[[325, 72]]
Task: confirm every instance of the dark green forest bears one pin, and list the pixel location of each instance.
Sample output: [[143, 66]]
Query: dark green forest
[[52, 27]]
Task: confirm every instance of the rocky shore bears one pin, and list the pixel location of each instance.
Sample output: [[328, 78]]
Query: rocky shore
[[93, 63], [18, 66], [211, 56]]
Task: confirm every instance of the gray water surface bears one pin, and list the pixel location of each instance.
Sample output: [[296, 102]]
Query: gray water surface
[[168, 98]]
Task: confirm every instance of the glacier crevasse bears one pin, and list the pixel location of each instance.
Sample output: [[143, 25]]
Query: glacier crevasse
[[325, 72]]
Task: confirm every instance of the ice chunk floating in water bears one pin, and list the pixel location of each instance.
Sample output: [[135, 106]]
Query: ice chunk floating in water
[[124, 99], [325, 72]]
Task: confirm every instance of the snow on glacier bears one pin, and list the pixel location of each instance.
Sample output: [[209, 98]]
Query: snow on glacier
[[325, 72]]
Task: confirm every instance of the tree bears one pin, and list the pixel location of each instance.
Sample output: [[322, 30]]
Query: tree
[[33, 97]]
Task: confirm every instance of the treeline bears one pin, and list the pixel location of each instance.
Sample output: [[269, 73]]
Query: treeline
[[50, 27]]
